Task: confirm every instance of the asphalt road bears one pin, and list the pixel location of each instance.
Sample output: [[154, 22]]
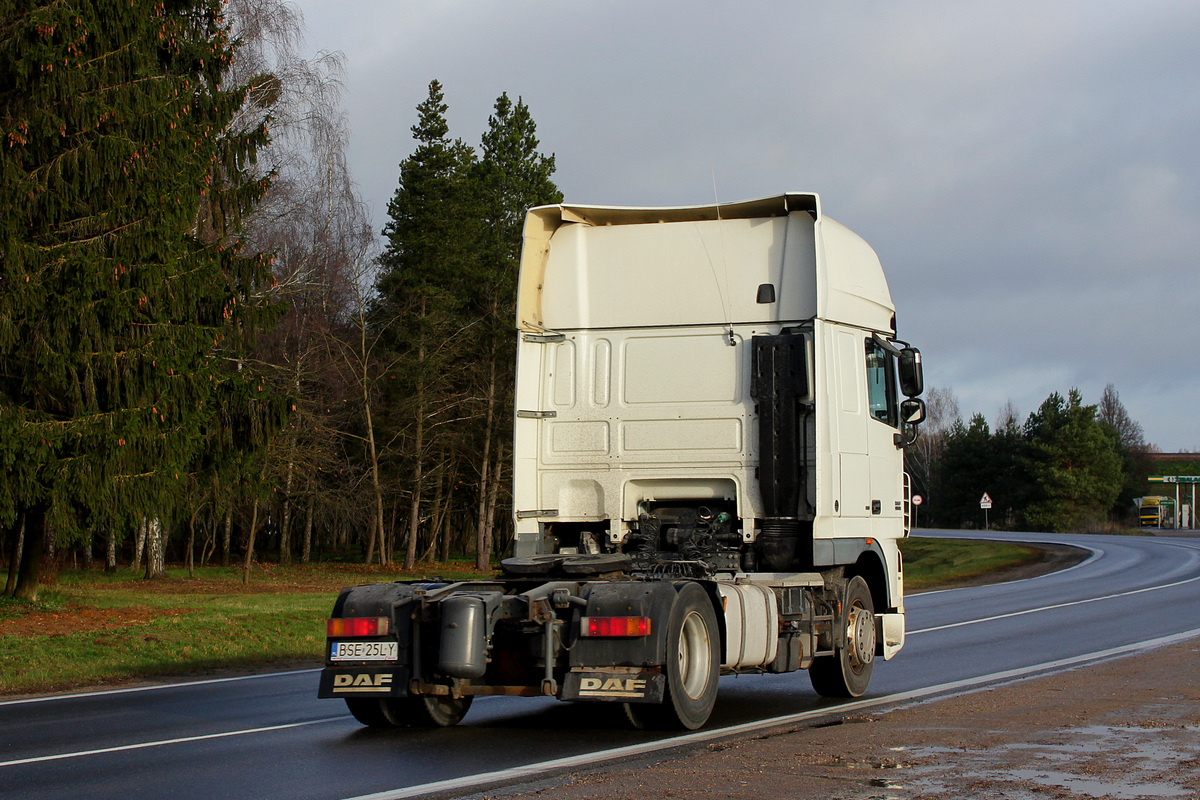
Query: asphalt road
[[269, 737]]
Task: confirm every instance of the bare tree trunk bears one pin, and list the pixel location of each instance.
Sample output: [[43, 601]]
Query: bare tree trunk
[[493, 497], [445, 541], [17, 537], [377, 521], [250, 545], [414, 508], [285, 529], [436, 515], [285, 536], [386, 545], [227, 538], [29, 576], [414, 520], [139, 544], [445, 526], [191, 544], [306, 546], [483, 533], [156, 566], [110, 549], [210, 543]]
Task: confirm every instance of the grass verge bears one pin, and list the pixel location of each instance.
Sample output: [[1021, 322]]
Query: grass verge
[[93, 628], [935, 563]]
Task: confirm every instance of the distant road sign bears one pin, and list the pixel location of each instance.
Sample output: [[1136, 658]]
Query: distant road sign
[[917, 500], [985, 501]]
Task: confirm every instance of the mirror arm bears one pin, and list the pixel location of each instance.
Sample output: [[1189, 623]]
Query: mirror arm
[[886, 345], [907, 438]]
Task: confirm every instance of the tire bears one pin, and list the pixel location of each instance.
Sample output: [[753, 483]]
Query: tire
[[424, 711], [693, 665], [847, 672], [374, 712], [435, 710]]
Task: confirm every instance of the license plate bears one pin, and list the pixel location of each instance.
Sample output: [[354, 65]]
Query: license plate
[[363, 651]]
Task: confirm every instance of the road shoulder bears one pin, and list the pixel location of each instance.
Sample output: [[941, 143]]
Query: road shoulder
[[1129, 727]]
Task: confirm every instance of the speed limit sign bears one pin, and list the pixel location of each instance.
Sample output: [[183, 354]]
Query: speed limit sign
[[917, 500]]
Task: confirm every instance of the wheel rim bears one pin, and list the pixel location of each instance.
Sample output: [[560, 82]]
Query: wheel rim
[[860, 637], [694, 656]]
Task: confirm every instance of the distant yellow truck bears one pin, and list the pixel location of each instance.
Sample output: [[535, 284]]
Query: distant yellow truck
[[1154, 510]]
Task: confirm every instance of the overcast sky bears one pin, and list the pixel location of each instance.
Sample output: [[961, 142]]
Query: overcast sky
[[1029, 172]]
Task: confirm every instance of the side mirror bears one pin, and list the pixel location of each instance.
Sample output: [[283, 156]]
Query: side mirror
[[912, 380], [912, 411]]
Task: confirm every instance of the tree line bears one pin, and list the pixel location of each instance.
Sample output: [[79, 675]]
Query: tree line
[[208, 355], [205, 354], [1066, 467]]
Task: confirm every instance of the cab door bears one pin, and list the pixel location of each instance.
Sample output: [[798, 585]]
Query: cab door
[[883, 426]]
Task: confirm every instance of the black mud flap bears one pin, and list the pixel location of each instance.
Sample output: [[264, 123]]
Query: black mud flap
[[622, 687], [390, 681]]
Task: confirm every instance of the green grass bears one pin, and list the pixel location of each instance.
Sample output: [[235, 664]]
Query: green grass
[[92, 628], [167, 636], [930, 563]]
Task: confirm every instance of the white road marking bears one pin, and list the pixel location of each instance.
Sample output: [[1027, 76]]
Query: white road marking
[[594, 759], [164, 742], [104, 692], [1051, 608]]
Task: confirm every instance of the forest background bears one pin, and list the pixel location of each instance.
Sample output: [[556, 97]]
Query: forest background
[[208, 354]]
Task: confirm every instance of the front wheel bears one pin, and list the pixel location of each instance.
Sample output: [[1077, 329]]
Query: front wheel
[[847, 672], [693, 666]]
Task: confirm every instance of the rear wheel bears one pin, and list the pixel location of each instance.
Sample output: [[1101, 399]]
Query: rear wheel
[[693, 666], [374, 712], [847, 672], [423, 711], [436, 711]]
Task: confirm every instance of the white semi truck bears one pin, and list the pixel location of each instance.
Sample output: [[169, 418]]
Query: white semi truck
[[708, 479]]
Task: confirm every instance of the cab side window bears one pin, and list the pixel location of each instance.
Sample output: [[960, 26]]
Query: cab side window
[[881, 384]]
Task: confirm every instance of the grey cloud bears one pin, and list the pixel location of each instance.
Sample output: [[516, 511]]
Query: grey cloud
[[1027, 171]]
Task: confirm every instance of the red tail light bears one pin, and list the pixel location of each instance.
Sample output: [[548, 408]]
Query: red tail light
[[356, 626], [615, 626]]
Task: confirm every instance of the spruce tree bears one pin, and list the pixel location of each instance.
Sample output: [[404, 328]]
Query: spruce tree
[[119, 321]]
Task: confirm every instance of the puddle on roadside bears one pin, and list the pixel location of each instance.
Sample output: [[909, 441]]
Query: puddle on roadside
[[1099, 761], [1107, 789]]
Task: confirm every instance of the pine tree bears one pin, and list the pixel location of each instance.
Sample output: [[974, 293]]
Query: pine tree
[[427, 262], [511, 177], [1073, 465], [117, 318]]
